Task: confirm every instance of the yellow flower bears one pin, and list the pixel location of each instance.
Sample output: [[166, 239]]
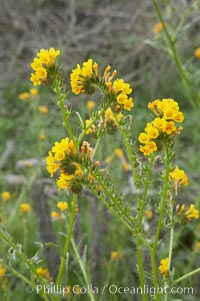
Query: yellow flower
[[65, 159], [126, 89], [178, 117], [169, 113], [158, 27], [191, 213], [24, 96], [119, 153], [179, 177], [91, 105], [151, 131], [42, 137], [148, 214], [6, 195], [163, 268], [83, 80], [25, 208], [2, 271], [126, 166], [118, 85], [63, 206], [80, 76], [169, 128], [53, 55], [143, 138], [43, 109], [96, 69], [64, 181], [55, 215], [91, 127], [122, 98], [41, 73], [159, 123], [128, 104], [36, 64], [153, 106], [45, 59], [34, 92], [35, 79], [51, 164], [148, 148], [115, 255], [44, 273], [197, 53], [108, 160]]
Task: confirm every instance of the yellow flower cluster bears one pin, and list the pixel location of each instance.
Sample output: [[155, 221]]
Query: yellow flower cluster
[[63, 158], [27, 95], [179, 177], [80, 77], [5, 196], [109, 122], [163, 268], [166, 113], [63, 206], [83, 80], [122, 91], [24, 208], [41, 64]]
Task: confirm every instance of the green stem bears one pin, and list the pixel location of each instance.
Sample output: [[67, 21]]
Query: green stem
[[140, 268], [142, 205], [164, 197], [144, 199], [82, 267], [66, 117], [187, 275], [171, 236], [154, 273], [188, 84], [67, 242], [129, 150], [160, 221], [57, 88], [96, 146]]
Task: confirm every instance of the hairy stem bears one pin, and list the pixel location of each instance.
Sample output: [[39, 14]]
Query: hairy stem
[[160, 221], [67, 242]]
